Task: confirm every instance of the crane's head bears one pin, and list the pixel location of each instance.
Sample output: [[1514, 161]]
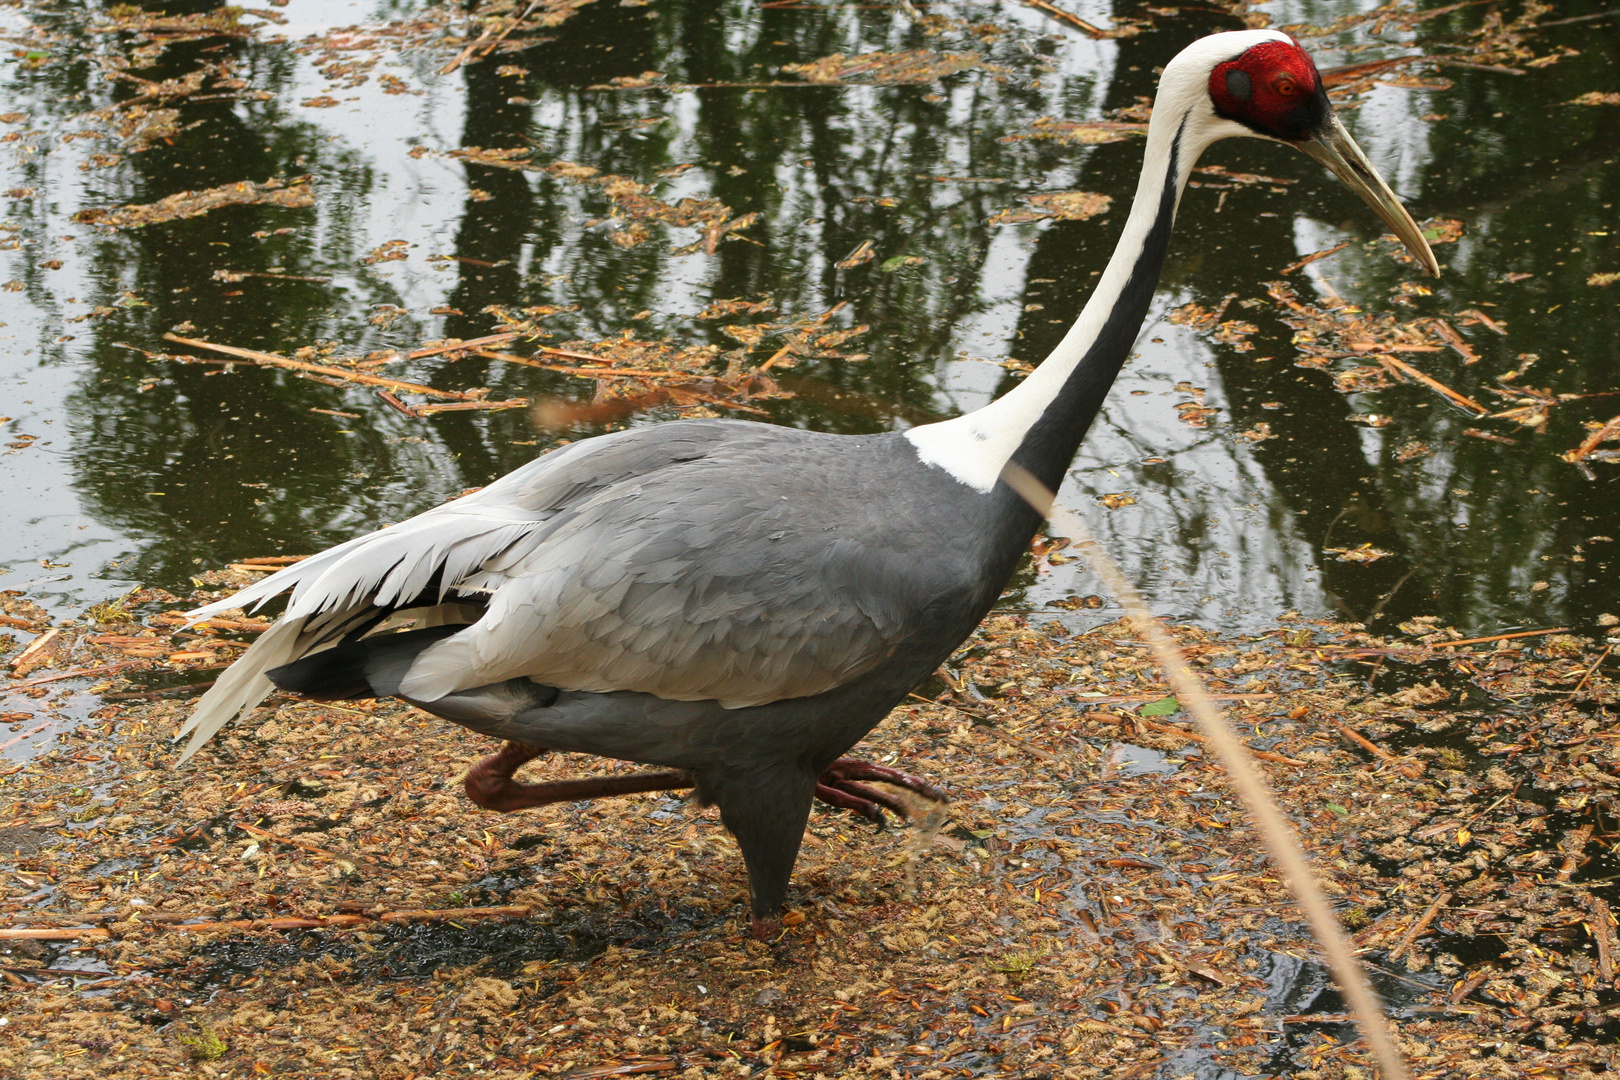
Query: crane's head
[[1262, 83]]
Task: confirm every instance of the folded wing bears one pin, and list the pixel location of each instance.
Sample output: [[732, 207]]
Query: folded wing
[[460, 548], [662, 560], [707, 585]]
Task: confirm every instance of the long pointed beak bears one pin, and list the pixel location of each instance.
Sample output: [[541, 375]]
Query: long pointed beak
[[1338, 151]]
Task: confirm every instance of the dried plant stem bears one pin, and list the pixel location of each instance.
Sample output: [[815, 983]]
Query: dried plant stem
[[1421, 925], [272, 360], [1235, 758], [1499, 637], [1313, 257], [1401, 367], [1093, 32]]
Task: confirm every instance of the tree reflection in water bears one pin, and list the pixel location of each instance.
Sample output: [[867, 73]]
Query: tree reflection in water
[[1223, 530]]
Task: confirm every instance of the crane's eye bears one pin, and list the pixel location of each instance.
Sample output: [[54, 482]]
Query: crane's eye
[[1285, 86]]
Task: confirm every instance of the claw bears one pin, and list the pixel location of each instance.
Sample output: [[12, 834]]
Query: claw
[[855, 769], [839, 787], [867, 808]]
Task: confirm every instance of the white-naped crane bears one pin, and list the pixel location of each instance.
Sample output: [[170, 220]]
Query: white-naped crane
[[735, 603]]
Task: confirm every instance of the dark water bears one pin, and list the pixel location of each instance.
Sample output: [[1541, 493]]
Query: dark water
[[145, 472]]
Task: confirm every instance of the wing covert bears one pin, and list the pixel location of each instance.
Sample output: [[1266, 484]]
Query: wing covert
[[705, 586]]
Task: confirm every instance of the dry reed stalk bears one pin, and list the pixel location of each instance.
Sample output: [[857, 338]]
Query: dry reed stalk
[[1274, 830]]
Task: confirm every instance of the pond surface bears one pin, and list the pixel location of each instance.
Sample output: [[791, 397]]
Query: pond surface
[[1247, 474]]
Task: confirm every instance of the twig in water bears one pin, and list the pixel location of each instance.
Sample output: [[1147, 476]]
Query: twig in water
[[397, 405], [470, 345], [51, 933], [1470, 984], [1396, 364], [272, 360], [471, 406], [1490, 436], [33, 656], [1411, 772], [1591, 442], [105, 669], [1604, 655], [1421, 925], [1095, 32], [1268, 820], [1499, 637], [487, 41], [1455, 340], [1313, 256], [1486, 321]]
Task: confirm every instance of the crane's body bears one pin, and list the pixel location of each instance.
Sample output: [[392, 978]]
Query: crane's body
[[738, 603]]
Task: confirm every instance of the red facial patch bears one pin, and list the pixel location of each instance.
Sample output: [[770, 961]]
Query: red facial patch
[[1272, 88]]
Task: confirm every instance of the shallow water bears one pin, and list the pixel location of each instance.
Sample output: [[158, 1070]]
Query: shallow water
[[144, 471]]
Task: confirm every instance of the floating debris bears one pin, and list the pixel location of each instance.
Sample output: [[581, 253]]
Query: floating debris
[[1078, 132], [889, 68], [298, 194], [1058, 205], [1366, 553]]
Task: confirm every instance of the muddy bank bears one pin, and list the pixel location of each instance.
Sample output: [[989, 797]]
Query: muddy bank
[[1094, 907]]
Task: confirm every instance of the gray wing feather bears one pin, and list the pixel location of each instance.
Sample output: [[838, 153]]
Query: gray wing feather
[[468, 544], [653, 560], [701, 587]]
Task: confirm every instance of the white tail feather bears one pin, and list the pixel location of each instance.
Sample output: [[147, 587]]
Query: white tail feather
[[243, 685]]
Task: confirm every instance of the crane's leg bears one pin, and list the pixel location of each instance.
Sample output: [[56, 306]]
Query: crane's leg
[[840, 786], [766, 811], [490, 783]]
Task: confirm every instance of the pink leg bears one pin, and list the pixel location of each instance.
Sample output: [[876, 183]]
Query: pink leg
[[489, 783], [839, 787]]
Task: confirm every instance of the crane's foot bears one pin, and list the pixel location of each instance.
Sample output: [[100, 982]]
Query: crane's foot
[[489, 783], [840, 786]]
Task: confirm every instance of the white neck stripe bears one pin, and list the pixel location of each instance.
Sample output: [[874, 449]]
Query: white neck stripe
[[974, 448]]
